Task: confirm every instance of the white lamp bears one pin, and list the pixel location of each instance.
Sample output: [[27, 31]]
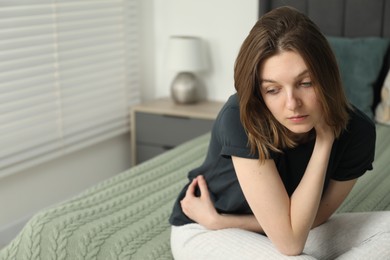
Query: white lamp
[[185, 55]]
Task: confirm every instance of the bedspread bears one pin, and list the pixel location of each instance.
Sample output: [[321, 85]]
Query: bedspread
[[126, 217]]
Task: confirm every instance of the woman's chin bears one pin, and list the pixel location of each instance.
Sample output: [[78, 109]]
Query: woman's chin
[[299, 130]]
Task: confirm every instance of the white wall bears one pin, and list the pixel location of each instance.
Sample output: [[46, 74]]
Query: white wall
[[222, 24], [147, 43]]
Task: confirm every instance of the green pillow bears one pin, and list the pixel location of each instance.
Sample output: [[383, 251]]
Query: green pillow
[[360, 61]]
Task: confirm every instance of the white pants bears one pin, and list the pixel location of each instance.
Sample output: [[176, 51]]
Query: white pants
[[343, 236]]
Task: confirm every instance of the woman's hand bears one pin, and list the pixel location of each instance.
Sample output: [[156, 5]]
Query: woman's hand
[[200, 209], [324, 132]]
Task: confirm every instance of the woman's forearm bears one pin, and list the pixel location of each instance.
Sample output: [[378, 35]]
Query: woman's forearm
[[246, 222], [306, 198]]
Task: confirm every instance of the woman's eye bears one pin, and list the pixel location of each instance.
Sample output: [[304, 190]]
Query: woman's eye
[[306, 84], [271, 91]]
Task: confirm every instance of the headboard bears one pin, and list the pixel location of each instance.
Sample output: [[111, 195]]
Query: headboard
[[345, 18], [349, 18]]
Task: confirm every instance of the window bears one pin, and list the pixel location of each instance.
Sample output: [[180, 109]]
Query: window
[[68, 75]]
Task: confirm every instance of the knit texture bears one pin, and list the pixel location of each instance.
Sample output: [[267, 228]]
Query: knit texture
[[126, 216]]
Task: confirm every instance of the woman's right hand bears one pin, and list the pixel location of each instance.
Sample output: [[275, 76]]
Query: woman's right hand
[[200, 209]]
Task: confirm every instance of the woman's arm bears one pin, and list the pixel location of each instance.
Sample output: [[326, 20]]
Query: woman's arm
[[286, 221], [334, 195], [202, 210]]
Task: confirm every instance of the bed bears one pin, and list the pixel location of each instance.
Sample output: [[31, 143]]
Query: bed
[[126, 217]]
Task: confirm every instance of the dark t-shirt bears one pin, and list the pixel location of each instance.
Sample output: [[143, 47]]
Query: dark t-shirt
[[351, 156]]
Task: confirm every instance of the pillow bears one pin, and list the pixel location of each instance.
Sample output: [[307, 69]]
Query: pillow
[[360, 61]]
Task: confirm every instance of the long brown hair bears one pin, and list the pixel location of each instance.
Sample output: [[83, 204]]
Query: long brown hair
[[286, 29]]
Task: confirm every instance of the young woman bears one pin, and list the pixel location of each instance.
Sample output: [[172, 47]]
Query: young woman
[[284, 153]]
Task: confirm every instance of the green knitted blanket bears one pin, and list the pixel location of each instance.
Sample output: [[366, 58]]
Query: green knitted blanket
[[126, 217]]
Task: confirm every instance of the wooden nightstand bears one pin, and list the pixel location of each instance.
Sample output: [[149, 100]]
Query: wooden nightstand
[[161, 124]]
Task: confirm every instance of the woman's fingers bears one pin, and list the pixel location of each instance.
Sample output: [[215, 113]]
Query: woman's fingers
[[191, 188], [204, 191], [201, 183]]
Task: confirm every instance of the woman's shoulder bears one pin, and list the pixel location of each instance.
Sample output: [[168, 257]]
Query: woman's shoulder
[[232, 102], [360, 129], [228, 128], [360, 123], [355, 147], [230, 110]]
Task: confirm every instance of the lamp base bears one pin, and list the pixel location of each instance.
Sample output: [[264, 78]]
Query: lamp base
[[184, 88]]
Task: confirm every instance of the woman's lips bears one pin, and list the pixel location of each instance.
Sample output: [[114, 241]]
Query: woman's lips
[[297, 119]]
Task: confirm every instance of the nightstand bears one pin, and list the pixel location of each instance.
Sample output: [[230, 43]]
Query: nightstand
[[161, 124]]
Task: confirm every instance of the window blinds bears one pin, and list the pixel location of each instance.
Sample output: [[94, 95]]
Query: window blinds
[[68, 74]]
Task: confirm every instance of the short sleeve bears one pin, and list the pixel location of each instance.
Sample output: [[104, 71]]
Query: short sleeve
[[356, 148], [232, 135]]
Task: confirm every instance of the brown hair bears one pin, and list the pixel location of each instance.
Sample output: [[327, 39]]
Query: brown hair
[[286, 29]]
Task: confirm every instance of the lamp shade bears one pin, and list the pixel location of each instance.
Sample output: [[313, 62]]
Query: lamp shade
[[185, 53]]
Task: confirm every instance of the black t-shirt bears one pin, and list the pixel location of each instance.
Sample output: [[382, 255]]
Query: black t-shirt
[[351, 156]]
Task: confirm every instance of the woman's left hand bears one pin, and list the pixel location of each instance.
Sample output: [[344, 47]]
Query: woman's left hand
[[200, 209]]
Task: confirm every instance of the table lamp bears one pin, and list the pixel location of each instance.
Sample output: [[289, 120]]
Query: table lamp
[[186, 56]]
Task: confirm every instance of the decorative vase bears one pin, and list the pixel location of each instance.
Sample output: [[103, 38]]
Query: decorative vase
[[184, 88]]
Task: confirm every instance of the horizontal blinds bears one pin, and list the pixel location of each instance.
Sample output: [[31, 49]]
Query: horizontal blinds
[[68, 74]]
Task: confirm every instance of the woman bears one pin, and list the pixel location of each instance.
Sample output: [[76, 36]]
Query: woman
[[284, 153]]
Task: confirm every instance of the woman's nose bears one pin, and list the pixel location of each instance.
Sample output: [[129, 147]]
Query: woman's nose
[[293, 102]]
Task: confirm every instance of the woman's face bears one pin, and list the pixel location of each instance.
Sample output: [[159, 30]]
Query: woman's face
[[288, 92]]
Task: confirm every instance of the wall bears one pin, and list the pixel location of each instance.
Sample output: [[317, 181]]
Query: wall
[[147, 43], [222, 24]]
